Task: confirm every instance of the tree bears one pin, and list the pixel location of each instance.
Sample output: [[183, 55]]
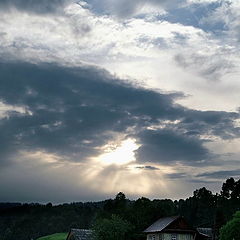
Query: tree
[[120, 197], [231, 189], [111, 229], [228, 188], [231, 230], [120, 202], [203, 194], [236, 191], [202, 207]]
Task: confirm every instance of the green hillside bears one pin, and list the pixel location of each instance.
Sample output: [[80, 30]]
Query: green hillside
[[56, 236]]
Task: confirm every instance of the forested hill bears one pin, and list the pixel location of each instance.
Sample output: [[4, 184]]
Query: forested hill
[[203, 209], [9, 205]]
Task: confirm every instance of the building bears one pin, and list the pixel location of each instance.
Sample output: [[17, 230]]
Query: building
[[80, 234], [207, 232], [173, 228]]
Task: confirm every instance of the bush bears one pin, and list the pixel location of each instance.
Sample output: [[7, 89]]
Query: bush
[[111, 229], [231, 231]]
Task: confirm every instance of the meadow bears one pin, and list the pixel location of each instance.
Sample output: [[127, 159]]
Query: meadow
[[56, 236]]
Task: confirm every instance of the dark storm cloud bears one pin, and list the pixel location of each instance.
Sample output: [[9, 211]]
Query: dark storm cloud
[[221, 174], [212, 123], [73, 112], [36, 6], [167, 146]]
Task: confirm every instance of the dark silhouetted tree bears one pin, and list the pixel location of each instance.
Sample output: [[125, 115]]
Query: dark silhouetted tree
[[228, 188]]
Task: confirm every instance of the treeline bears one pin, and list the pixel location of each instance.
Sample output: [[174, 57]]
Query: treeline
[[203, 209]]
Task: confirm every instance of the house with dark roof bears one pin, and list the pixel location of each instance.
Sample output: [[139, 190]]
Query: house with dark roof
[[173, 228], [80, 234]]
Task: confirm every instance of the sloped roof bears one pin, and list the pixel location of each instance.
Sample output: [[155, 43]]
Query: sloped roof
[[161, 224], [205, 231], [80, 234]]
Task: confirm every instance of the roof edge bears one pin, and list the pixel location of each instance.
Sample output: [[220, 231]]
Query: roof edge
[[174, 219]]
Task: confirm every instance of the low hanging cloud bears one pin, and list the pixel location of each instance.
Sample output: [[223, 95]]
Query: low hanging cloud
[[74, 112]]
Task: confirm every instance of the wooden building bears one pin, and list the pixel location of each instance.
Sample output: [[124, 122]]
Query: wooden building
[[173, 228], [206, 232], [80, 234]]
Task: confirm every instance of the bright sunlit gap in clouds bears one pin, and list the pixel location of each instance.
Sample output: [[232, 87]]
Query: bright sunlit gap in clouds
[[122, 154]]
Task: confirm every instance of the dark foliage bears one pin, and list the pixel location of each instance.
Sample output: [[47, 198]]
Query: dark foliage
[[114, 228], [203, 209], [232, 229]]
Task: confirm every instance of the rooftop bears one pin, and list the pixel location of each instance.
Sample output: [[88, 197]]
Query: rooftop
[[80, 234], [161, 224]]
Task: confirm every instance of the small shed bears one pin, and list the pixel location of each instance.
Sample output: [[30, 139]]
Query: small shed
[[80, 234]]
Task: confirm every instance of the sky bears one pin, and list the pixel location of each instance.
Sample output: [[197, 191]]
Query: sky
[[103, 96]]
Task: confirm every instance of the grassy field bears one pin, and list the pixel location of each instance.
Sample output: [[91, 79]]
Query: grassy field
[[56, 236]]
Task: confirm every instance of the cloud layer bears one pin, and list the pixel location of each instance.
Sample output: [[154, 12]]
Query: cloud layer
[[74, 112], [35, 6], [167, 102], [61, 116]]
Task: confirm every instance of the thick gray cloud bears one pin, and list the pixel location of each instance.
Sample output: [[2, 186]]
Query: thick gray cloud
[[211, 123], [73, 112], [36, 6], [166, 146]]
